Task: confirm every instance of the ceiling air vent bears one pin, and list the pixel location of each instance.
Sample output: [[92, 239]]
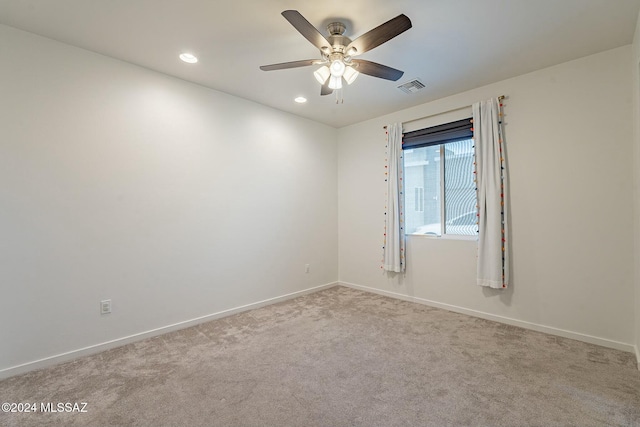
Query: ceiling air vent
[[412, 86]]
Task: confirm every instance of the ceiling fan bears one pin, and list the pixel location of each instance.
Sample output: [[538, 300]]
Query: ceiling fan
[[338, 51]]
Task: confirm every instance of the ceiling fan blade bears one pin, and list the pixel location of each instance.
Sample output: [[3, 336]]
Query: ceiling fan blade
[[381, 34], [325, 89], [306, 29], [377, 70], [285, 65]]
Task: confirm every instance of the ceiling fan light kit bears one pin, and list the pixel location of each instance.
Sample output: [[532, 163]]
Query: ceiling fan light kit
[[337, 51], [335, 82], [337, 67], [350, 75], [322, 74]]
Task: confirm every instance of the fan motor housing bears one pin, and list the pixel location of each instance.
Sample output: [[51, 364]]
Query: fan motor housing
[[338, 41], [336, 28]]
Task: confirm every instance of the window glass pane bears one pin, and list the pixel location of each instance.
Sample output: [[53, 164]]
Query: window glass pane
[[459, 188], [422, 190]]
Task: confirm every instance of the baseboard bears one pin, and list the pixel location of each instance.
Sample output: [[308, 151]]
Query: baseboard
[[74, 354], [637, 348], [501, 319]]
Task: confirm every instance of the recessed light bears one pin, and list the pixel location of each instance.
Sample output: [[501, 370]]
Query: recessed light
[[301, 100], [188, 57]]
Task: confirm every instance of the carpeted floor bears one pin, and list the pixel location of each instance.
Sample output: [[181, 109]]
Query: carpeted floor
[[340, 357]]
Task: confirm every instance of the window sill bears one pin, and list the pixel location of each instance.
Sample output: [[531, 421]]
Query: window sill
[[444, 237]]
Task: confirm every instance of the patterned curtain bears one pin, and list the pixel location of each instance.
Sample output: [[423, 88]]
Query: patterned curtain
[[493, 248], [394, 241]]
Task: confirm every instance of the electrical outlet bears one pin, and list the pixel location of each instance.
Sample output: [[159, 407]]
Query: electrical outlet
[[306, 268], [105, 306]]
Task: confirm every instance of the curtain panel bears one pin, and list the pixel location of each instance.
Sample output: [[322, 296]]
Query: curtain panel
[[493, 249], [394, 239]]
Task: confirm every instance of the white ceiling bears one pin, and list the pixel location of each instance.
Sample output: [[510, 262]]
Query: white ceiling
[[454, 45]]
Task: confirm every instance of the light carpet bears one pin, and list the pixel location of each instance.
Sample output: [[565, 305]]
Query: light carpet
[[340, 357]]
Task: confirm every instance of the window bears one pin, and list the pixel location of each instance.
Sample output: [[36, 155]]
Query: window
[[440, 194]]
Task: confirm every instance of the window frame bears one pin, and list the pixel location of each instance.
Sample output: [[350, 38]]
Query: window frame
[[440, 135]]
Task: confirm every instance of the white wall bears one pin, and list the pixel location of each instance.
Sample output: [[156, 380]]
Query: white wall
[[171, 199], [635, 67], [569, 148]]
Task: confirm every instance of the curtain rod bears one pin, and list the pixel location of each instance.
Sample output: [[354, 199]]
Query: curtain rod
[[500, 98]]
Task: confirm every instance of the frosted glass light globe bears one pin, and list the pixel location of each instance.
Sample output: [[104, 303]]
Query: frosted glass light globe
[[337, 68]]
